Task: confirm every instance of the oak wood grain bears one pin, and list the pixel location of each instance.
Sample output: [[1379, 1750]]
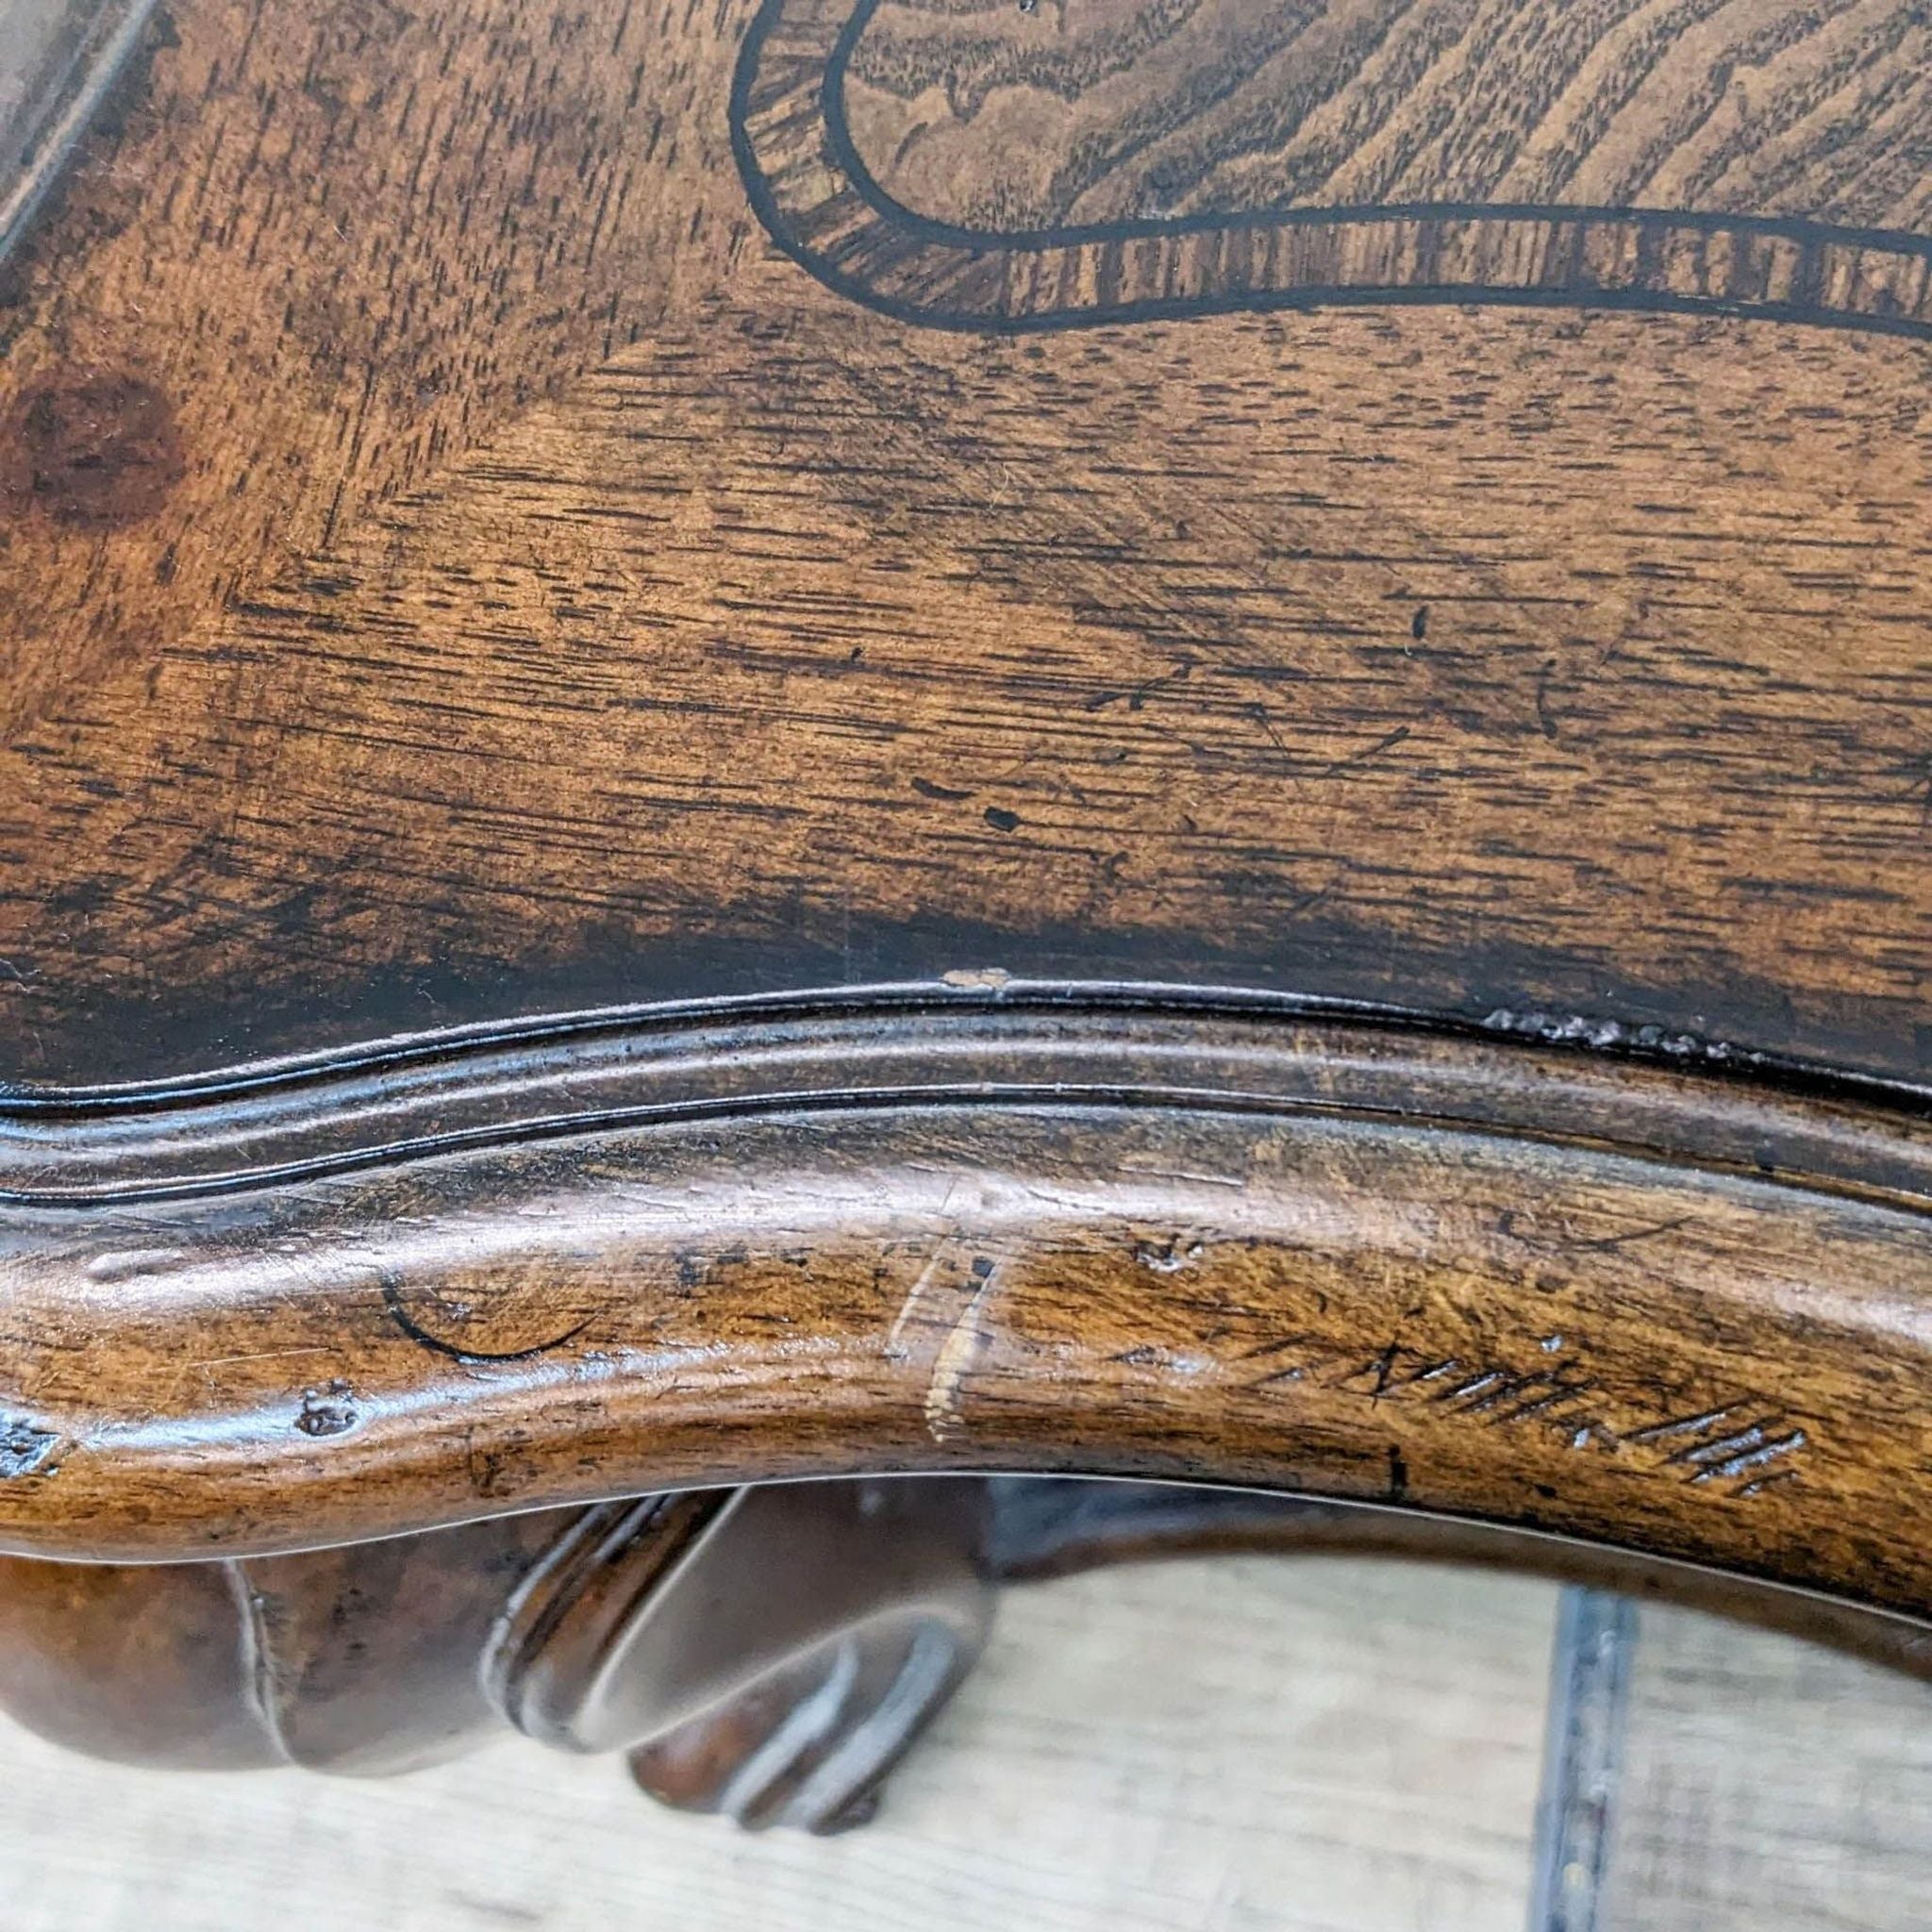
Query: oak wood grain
[[1097, 110], [809, 738], [457, 567]]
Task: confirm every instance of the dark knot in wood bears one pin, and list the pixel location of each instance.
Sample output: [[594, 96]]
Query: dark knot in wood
[[93, 453]]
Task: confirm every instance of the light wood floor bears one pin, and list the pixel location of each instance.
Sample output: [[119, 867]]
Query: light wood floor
[[1314, 1745]]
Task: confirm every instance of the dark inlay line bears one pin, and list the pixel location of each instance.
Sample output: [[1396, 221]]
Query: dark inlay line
[[821, 204]]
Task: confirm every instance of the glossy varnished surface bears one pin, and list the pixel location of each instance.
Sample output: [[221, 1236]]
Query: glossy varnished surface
[[822, 740], [1465, 1277], [474, 546]]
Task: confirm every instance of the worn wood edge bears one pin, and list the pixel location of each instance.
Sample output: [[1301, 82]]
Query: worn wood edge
[[398, 1101], [1043, 1531], [56, 125], [1596, 1033], [1501, 1317]]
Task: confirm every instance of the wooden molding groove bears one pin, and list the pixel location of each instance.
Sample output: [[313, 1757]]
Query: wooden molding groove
[[983, 1040], [511, 515], [1683, 1314]]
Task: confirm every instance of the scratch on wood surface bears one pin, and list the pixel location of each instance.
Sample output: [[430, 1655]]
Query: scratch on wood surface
[[1730, 1443], [934, 1269], [963, 1342], [26, 1448], [978, 979]]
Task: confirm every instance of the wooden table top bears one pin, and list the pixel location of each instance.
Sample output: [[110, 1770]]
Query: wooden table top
[[1417, 505]]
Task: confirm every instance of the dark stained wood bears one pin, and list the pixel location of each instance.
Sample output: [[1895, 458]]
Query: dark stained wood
[[1469, 1278], [786, 1664], [565, 599], [363, 1660], [825, 739], [768, 1653], [1045, 1528], [143, 1664], [687, 1627], [357, 1660]]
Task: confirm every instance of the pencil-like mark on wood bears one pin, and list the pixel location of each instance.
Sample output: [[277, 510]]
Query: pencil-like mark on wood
[[393, 1303]]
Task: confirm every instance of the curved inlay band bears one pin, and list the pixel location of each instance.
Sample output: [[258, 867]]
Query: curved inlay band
[[820, 203]]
